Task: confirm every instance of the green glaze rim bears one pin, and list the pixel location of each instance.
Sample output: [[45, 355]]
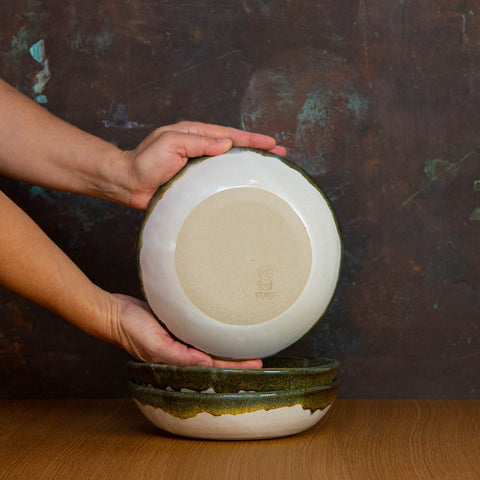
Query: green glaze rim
[[278, 373], [188, 404], [158, 195]]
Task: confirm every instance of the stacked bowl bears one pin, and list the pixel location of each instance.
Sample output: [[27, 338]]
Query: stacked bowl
[[239, 256], [286, 396]]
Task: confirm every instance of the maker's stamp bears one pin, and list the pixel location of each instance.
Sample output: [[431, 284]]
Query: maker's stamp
[[265, 283]]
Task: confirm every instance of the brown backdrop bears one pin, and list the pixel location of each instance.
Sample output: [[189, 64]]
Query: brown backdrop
[[379, 100]]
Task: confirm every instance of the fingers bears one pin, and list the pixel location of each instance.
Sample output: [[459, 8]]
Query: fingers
[[158, 160], [240, 138], [237, 364], [189, 145], [279, 150], [175, 353], [139, 332]]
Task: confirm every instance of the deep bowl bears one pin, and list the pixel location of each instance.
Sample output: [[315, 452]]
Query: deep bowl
[[234, 416], [278, 373], [239, 254]]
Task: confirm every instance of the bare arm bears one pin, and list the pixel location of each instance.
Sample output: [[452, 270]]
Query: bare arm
[[33, 266], [41, 149], [38, 148]]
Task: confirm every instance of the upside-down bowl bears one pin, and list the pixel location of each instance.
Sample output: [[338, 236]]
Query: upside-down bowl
[[239, 255]]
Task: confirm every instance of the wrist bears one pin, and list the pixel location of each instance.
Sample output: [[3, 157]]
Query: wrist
[[95, 313], [110, 178]]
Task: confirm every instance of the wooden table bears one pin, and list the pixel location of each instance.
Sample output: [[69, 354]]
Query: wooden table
[[358, 439]]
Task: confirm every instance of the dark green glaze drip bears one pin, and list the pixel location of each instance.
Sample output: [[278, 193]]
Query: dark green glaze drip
[[187, 405], [278, 373]]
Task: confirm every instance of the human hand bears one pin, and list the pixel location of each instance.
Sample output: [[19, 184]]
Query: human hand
[[166, 151], [135, 329]]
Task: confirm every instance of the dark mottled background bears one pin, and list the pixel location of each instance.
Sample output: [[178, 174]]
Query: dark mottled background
[[378, 99]]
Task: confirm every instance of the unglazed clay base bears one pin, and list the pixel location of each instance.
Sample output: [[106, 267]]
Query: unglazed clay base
[[261, 424], [239, 254], [246, 245]]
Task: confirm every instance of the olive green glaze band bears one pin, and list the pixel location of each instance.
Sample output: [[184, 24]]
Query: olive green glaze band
[[187, 405], [279, 373]]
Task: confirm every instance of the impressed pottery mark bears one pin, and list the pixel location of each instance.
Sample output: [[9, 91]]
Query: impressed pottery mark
[[265, 283]]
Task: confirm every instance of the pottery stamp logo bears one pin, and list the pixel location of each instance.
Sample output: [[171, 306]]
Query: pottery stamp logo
[[265, 283]]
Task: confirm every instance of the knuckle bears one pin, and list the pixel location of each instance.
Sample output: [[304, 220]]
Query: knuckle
[[168, 137], [182, 123], [186, 126]]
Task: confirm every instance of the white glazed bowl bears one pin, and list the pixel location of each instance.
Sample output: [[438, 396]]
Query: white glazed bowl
[[234, 416], [240, 254]]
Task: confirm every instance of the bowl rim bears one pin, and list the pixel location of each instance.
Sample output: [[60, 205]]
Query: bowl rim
[[330, 364], [248, 395]]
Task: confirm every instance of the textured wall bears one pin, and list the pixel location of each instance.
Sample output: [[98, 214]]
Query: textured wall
[[379, 100]]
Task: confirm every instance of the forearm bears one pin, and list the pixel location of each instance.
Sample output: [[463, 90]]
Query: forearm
[[33, 266], [39, 148]]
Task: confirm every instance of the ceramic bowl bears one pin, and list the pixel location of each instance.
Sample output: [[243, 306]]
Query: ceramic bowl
[[239, 254], [278, 373], [234, 416]]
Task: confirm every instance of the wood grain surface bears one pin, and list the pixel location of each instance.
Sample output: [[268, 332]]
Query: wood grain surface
[[358, 439]]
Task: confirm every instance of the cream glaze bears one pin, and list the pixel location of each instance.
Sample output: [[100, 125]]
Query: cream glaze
[[261, 424]]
